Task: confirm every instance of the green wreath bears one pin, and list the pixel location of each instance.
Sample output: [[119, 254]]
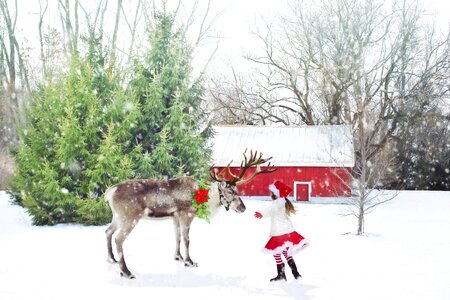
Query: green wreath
[[200, 200]]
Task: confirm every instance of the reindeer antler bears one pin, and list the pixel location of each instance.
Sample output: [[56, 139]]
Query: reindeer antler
[[215, 176], [248, 162]]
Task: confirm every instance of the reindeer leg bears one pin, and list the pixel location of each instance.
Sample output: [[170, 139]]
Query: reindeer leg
[[124, 231], [176, 223], [186, 222], [109, 233]]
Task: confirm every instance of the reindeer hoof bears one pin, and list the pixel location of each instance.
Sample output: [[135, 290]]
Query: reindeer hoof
[[128, 276], [178, 258], [190, 264], [111, 260]]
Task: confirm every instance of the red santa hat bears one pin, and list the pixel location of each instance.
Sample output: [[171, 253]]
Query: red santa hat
[[280, 189]]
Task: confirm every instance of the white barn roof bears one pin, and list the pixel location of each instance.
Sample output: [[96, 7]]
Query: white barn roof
[[320, 146]]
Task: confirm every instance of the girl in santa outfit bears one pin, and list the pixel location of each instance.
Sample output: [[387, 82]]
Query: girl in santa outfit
[[283, 238]]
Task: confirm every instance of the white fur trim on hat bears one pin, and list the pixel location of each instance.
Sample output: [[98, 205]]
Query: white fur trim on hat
[[274, 190]]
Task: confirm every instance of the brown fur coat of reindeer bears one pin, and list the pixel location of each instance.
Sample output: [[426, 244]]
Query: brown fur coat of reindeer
[[133, 200]]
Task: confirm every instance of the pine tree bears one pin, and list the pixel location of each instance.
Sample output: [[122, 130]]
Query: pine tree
[[422, 148], [85, 133], [71, 149], [169, 141]]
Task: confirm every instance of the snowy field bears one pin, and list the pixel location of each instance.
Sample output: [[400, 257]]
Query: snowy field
[[404, 255]]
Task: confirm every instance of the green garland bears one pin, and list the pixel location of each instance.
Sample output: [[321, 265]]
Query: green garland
[[200, 199]]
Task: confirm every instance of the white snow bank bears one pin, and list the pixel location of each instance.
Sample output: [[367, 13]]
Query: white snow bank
[[404, 255]]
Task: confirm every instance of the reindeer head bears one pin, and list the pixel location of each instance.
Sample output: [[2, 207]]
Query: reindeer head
[[228, 192]]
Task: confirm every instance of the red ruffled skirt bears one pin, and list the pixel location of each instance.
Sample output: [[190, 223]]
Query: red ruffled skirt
[[291, 242]]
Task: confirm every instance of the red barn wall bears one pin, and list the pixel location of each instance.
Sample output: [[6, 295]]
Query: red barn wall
[[324, 181]]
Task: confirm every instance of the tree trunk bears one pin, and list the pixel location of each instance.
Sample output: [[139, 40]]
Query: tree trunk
[[71, 33], [12, 109], [112, 58], [361, 215], [42, 11], [133, 30]]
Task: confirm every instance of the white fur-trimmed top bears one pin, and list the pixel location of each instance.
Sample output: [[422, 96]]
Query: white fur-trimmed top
[[280, 223]]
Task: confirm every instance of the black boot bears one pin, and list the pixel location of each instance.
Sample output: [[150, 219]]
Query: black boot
[[281, 275], [296, 274]]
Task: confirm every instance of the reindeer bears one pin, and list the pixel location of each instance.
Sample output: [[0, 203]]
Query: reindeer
[[133, 200]]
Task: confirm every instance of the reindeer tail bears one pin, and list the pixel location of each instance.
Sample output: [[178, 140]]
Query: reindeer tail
[[109, 193]]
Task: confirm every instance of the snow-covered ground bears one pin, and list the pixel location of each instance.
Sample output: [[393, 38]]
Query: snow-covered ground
[[404, 255]]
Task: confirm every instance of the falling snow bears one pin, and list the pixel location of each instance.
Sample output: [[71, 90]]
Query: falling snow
[[74, 167], [129, 106]]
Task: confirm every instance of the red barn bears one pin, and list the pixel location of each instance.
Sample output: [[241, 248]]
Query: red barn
[[313, 160]]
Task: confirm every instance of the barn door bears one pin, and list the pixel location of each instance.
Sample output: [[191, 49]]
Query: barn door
[[302, 190]]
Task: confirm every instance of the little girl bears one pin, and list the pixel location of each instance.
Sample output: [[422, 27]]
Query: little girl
[[283, 238]]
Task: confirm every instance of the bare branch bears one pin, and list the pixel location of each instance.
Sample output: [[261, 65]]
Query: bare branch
[[112, 58], [42, 12], [132, 28]]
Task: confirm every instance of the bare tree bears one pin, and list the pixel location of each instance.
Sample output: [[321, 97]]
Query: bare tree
[[14, 72], [234, 102], [367, 176], [370, 89], [422, 138], [112, 57], [310, 59], [95, 21], [132, 28], [70, 25], [275, 90], [42, 11], [346, 62]]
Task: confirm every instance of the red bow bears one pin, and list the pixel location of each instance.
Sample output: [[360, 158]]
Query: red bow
[[201, 196]]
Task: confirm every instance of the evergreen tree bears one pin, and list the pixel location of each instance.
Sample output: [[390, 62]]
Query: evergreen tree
[[169, 141], [71, 149], [423, 152], [85, 134]]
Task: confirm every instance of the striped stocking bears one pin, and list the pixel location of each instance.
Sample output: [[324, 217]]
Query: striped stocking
[[287, 256], [278, 259]]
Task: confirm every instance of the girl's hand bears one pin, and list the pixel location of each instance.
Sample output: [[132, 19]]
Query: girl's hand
[[258, 215]]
